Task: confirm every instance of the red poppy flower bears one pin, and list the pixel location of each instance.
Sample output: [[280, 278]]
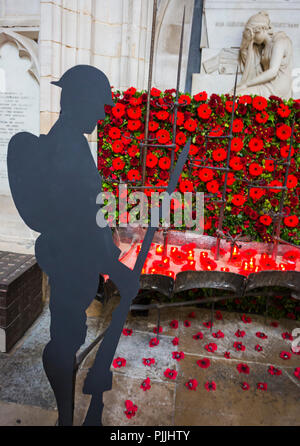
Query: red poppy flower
[[262, 386], [259, 103], [211, 347], [284, 151], [256, 144], [135, 101], [227, 355], [133, 125], [130, 91], [119, 362], [210, 386], [297, 372], [148, 361], [163, 136], [117, 146], [229, 106], [184, 99], [219, 155], [240, 333], [261, 335], [238, 200], [255, 169], [208, 264], [118, 164], [190, 125], [206, 174], [236, 163], [285, 355], [187, 323], [273, 371], [219, 316], [199, 97], [151, 160], [204, 111], [283, 132], [114, 133], [164, 163], [265, 220], [153, 342], [258, 348], [237, 125], [180, 138], [245, 386], [160, 330], [133, 175], [193, 150], [275, 183], [208, 324], [153, 126], [262, 117], [198, 336], [243, 368], [133, 150], [134, 113], [203, 363], [146, 384], [155, 92], [239, 346], [186, 186], [219, 334], [256, 193], [178, 355], [131, 409], [174, 324], [118, 110], [245, 99], [192, 384], [162, 115], [269, 165], [283, 111], [291, 221], [212, 186], [236, 144], [171, 374], [175, 341], [287, 335], [127, 331], [216, 131]]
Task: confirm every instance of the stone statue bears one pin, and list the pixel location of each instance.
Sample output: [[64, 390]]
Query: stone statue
[[267, 59]]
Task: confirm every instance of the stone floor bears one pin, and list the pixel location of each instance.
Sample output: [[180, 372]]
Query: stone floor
[[27, 399]]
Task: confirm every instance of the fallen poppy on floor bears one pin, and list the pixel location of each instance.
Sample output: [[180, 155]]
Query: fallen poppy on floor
[[274, 324], [127, 331], [258, 348], [131, 409], [218, 335], [227, 355], [160, 329], [119, 362], [174, 324], [187, 323], [239, 346], [246, 319], [297, 372], [285, 355], [243, 368], [245, 386], [178, 355], [198, 336], [146, 384], [262, 386], [192, 384], [240, 333], [210, 385], [175, 341], [261, 335], [153, 342], [273, 371], [211, 347], [148, 361], [171, 374], [287, 335], [192, 314], [203, 363], [219, 316], [208, 324]]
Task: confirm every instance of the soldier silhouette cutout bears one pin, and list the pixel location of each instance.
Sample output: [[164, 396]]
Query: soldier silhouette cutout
[[54, 183]]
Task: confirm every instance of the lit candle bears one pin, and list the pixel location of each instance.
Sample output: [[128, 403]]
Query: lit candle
[[252, 263], [282, 267], [138, 248], [159, 249], [225, 269], [166, 261]]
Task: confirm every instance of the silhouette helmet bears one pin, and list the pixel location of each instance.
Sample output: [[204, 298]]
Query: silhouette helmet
[[86, 83]]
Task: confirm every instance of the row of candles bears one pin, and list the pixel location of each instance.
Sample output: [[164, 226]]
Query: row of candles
[[245, 262]]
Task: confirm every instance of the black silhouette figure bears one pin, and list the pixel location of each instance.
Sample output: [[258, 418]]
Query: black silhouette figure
[[54, 183]]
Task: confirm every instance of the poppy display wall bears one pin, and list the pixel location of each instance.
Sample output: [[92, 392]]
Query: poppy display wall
[[259, 150]]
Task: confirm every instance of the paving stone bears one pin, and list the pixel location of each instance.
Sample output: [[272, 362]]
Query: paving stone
[[19, 415]]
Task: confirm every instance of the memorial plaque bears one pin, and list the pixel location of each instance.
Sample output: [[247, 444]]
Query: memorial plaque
[[19, 102]]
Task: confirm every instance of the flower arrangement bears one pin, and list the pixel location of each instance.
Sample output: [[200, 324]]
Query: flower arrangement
[[259, 149]]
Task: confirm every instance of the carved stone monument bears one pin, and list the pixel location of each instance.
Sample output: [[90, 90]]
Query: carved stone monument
[[226, 31], [19, 111]]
